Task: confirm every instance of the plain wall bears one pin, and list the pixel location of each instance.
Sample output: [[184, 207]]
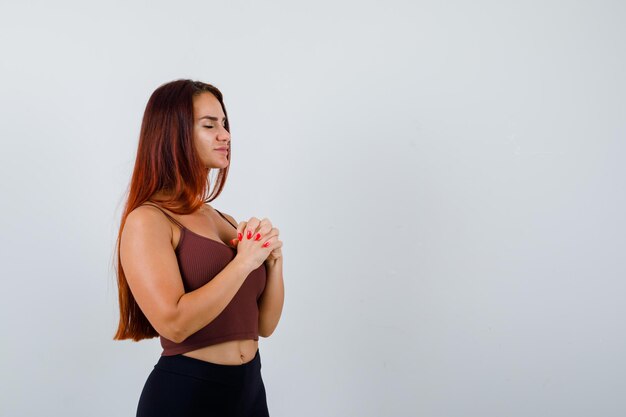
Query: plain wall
[[447, 178]]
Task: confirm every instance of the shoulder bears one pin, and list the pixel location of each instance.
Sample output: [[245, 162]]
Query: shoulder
[[145, 219], [144, 213], [231, 218], [228, 216]]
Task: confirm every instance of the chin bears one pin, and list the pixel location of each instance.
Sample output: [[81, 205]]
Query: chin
[[219, 165]]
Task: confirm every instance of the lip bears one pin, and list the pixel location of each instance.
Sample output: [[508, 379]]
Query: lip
[[225, 150]]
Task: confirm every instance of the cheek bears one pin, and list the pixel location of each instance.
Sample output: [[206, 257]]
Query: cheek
[[200, 145], [206, 139]]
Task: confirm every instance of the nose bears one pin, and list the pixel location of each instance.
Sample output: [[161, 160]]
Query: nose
[[223, 134]]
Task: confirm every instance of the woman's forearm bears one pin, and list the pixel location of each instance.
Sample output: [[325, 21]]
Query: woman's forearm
[[198, 308], [272, 300]]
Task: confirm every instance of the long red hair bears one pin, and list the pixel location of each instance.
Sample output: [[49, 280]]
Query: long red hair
[[167, 160]]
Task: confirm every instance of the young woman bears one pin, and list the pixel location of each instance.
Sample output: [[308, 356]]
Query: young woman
[[206, 285]]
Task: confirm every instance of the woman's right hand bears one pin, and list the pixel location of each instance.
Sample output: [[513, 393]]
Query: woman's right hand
[[257, 241]]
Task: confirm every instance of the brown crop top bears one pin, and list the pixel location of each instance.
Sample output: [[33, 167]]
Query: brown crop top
[[199, 260]]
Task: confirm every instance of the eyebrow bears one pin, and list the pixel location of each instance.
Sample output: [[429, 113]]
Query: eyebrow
[[210, 118]]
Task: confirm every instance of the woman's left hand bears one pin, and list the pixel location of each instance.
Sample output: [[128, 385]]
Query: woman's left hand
[[267, 234]]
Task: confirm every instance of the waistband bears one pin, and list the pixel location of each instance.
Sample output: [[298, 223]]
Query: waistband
[[209, 371]]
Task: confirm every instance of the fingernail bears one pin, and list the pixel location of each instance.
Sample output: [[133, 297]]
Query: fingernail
[[239, 236], [233, 241], [266, 244], [258, 236], [249, 234]]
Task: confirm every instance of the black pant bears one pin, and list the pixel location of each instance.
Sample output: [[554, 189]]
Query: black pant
[[180, 386]]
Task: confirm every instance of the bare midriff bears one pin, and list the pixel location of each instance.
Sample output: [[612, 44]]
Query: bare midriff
[[234, 352]]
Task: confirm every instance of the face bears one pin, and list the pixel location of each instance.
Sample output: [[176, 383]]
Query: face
[[209, 133]]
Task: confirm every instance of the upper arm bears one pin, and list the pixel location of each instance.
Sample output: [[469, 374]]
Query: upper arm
[[151, 267]]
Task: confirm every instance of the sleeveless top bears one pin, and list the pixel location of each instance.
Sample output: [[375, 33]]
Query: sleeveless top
[[199, 260]]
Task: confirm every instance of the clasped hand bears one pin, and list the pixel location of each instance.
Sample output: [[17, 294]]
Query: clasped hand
[[258, 240]]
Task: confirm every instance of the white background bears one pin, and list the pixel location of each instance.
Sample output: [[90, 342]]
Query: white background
[[448, 179]]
